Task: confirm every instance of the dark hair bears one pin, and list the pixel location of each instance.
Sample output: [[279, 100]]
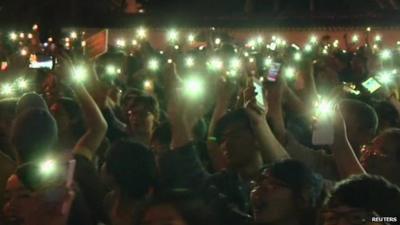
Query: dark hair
[[34, 134], [393, 134], [368, 192], [132, 166], [299, 179], [237, 116], [367, 117], [150, 103], [74, 113], [129, 93], [190, 206], [306, 186], [387, 113], [163, 134]]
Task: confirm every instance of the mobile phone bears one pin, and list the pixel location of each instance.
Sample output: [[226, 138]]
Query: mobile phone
[[273, 72], [41, 62], [259, 92], [371, 85], [323, 132]]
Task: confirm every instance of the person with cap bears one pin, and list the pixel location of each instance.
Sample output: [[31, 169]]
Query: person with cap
[[34, 136]]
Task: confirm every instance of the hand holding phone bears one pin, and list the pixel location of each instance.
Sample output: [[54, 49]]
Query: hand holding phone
[[259, 92], [273, 72]]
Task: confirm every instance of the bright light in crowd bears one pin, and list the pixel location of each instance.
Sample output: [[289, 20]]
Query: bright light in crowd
[[30, 36], [355, 38], [47, 167], [172, 35], [193, 87], [378, 38], [313, 39], [325, 51], [13, 36], [111, 70], [385, 77], [7, 89], [279, 41], [307, 48], [251, 60], [323, 108], [297, 56], [121, 43], [153, 64], [216, 64], [235, 63], [191, 38], [169, 61], [189, 62], [22, 84], [24, 52], [134, 42], [21, 35], [147, 84], [73, 35], [218, 41], [385, 54], [176, 47], [336, 43], [79, 73], [83, 43], [260, 40], [252, 43], [50, 39], [290, 72], [35, 27], [369, 29], [268, 61], [141, 32]]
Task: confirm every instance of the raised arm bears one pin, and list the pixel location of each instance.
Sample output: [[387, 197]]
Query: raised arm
[[96, 125], [346, 160], [271, 148]]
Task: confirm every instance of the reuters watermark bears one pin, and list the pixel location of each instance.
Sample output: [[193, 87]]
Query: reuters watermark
[[379, 219]]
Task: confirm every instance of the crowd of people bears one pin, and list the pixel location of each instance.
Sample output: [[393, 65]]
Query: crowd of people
[[208, 131]]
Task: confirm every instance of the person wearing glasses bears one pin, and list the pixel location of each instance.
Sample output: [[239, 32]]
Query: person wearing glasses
[[287, 192]]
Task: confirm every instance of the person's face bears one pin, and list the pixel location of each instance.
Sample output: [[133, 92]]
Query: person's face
[[344, 215], [19, 201], [141, 121], [162, 215], [380, 158], [238, 145], [271, 200]]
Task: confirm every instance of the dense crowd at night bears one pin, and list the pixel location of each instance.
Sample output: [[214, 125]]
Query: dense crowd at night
[[207, 130]]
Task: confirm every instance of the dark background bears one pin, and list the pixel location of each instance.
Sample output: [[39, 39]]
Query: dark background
[[230, 13]]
